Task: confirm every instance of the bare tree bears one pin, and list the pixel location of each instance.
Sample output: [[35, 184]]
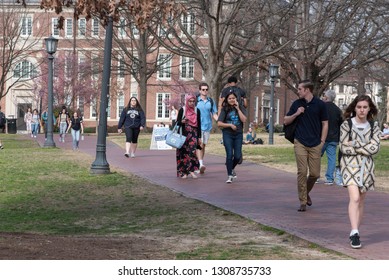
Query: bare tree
[[344, 35], [227, 38], [17, 45]]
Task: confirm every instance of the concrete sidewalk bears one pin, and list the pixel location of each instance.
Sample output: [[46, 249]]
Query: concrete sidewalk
[[265, 195]]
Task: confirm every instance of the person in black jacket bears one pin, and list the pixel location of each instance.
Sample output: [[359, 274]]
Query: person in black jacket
[[334, 122], [133, 120]]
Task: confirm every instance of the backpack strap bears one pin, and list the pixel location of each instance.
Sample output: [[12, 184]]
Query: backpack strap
[[350, 124]]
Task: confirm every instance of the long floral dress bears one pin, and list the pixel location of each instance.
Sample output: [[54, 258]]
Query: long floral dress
[[357, 165], [186, 156]]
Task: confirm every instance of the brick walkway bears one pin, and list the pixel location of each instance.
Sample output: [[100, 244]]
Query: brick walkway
[[265, 195]]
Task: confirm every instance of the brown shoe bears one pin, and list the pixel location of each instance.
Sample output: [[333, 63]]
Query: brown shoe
[[309, 200], [302, 208]]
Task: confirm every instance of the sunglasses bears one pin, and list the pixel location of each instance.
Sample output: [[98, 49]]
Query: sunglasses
[[204, 89]]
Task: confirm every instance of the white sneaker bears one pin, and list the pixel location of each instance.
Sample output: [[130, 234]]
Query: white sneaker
[[229, 180], [234, 174], [197, 171], [132, 155]]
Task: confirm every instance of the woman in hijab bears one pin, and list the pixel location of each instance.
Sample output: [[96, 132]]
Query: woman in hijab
[[188, 120]]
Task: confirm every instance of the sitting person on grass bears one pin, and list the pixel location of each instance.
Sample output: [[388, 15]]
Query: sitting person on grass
[[385, 132], [250, 136]]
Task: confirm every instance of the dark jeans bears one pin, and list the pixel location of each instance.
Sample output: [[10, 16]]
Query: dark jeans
[[233, 145]]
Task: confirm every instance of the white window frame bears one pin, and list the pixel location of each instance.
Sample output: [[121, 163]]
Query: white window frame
[[92, 108], [24, 70], [26, 26], [187, 68], [165, 69], [162, 110], [121, 68], [54, 27], [82, 27], [120, 104], [188, 21], [95, 27], [69, 27], [95, 66], [122, 28]]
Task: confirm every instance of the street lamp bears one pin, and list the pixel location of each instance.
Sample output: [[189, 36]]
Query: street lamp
[[100, 165], [273, 72], [51, 48]]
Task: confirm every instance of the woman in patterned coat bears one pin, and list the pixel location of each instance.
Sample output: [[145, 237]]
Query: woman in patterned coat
[[358, 144]]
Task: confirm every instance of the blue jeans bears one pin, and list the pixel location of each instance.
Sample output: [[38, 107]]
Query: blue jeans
[[233, 146], [34, 128], [76, 138], [330, 149]]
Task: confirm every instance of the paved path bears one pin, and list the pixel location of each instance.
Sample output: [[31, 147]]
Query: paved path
[[265, 195]]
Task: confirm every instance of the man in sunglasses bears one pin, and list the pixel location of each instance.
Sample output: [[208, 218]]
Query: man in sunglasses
[[208, 110]]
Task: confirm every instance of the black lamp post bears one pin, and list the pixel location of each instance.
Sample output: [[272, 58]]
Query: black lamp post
[[51, 48], [100, 165], [273, 72]]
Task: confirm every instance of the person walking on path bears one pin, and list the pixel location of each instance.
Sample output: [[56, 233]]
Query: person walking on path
[[76, 124], [335, 120], [231, 119], [63, 122], [358, 144], [133, 120], [34, 123], [232, 87], [310, 135], [45, 117], [173, 115], [27, 120], [208, 111], [3, 121], [189, 121]]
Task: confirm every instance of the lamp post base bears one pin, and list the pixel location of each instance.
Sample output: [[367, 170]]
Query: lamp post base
[[99, 169], [49, 144], [100, 165]]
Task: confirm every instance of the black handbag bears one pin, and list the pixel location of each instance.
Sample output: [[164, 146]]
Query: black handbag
[[290, 130]]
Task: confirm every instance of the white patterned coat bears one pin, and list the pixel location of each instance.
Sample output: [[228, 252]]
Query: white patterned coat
[[357, 165]]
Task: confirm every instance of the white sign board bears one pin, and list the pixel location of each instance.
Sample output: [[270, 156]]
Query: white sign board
[[158, 139]]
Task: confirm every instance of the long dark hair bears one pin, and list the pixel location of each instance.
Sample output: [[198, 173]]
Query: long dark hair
[[350, 110], [226, 106], [137, 106]]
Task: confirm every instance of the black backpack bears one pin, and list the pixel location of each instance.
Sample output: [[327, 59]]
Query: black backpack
[[2, 119]]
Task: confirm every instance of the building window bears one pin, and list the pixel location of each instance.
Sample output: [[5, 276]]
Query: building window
[[81, 66], [69, 27], [93, 108], [188, 23], [54, 27], [95, 27], [95, 67], [24, 70], [82, 27], [80, 105], [68, 68], [165, 65], [134, 30], [121, 68], [120, 104], [341, 88], [187, 67], [26, 26], [122, 27], [162, 108]]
